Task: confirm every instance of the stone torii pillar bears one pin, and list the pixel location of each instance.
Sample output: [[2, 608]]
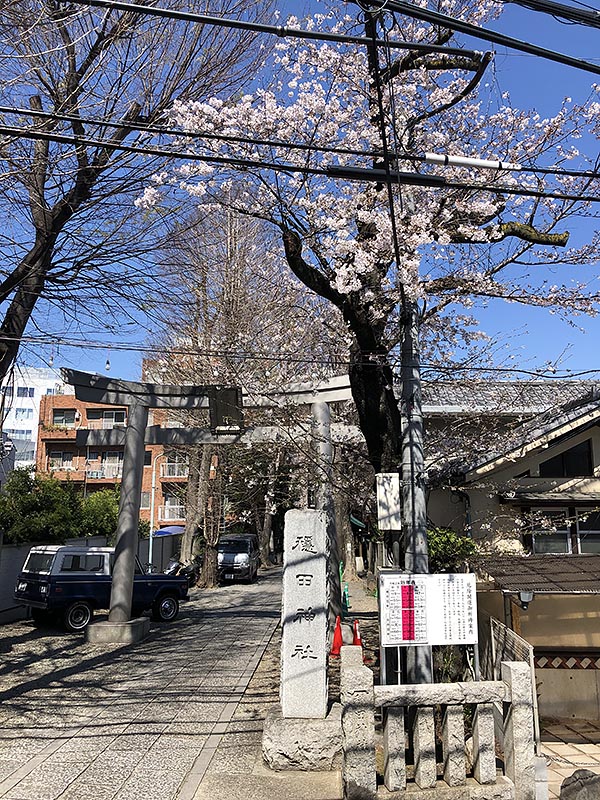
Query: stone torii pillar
[[138, 397]]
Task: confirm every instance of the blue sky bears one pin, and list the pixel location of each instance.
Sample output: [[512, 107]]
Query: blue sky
[[533, 337]]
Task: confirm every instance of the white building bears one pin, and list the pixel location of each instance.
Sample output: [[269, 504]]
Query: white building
[[20, 407]]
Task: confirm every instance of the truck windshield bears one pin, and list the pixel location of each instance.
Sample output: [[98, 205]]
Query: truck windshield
[[39, 562], [234, 547]]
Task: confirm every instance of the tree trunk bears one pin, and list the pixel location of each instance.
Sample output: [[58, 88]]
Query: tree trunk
[[267, 527], [212, 518], [193, 507], [344, 532]]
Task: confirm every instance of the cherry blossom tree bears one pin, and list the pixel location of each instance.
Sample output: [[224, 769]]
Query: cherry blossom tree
[[376, 250]]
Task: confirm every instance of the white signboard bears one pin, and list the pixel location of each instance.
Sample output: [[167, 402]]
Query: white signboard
[[427, 609], [389, 514]]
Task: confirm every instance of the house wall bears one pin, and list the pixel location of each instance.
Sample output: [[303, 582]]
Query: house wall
[[565, 633], [476, 508]]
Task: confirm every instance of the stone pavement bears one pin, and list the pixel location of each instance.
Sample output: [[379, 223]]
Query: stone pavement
[[89, 722], [569, 745]]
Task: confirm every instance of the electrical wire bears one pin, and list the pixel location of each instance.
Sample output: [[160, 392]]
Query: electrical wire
[[390, 5], [347, 173], [454, 24], [272, 143], [589, 17], [339, 359], [280, 31]]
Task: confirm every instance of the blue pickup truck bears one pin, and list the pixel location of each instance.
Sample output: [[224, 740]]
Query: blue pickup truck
[[72, 582]]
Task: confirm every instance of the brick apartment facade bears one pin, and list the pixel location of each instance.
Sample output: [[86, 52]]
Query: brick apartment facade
[[94, 468]]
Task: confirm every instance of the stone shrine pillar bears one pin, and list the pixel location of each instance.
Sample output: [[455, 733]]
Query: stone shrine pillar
[[303, 734], [304, 615]]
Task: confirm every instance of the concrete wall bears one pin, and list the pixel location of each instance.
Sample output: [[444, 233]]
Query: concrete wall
[[12, 558]]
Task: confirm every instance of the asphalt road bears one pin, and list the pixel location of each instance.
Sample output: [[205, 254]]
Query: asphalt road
[[88, 722]]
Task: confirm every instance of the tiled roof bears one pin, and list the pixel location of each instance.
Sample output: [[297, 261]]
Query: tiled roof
[[502, 397], [543, 424], [544, 574]]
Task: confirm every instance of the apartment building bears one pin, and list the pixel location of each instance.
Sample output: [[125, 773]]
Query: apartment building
[[101, 467], [21, 395]]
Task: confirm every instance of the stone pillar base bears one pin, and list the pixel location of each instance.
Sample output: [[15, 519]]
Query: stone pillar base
[[118, 632], [310, 745]]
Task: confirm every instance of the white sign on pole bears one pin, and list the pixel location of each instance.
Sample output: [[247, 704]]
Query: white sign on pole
[[419, 609], [389, 513]]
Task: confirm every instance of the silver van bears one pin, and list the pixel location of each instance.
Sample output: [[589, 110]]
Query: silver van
[[238, 558]]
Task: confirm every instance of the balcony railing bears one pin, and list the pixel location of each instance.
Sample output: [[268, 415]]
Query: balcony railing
[[171, 513], [103, 424], [176, 470], [106, 472]]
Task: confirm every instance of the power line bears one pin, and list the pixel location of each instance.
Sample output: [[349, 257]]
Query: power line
[[390, 5], [345, 173], [274, 143], [579, 16], [340, 359], [281, 31], [436, 18]]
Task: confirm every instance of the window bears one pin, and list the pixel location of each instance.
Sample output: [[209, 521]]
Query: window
[[551, 529], [18, 433], [83, 563], [64, 417], [23, 414], [49, 391], [61, 459], [565, 530], [147, 458], [573, 463], [100, 418], [7, 390], [25, 391], [145, 500], [588, 529]]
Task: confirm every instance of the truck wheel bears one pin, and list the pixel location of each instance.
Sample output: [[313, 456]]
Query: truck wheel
[[166, 608], [77, 616]]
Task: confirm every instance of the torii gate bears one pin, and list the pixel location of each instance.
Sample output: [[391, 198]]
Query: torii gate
[[139, 397]]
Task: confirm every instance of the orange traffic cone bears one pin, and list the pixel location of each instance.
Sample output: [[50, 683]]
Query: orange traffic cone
[[357, 640], [337, 638]]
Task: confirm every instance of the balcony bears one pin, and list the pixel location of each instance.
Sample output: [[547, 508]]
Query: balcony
[[171, 513], [57, 433], [175, 470], [108, 472], [103, 424]]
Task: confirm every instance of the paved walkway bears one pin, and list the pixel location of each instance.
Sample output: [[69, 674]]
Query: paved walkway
[[84, 722], [569, 745]]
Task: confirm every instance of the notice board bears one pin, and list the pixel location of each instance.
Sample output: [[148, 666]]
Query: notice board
[[416, 609]]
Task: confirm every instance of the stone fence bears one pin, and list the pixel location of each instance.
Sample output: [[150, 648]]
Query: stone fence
[[435, 737]]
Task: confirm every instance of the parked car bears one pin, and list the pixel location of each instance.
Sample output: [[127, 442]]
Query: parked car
[[238, 558], [72, 582]]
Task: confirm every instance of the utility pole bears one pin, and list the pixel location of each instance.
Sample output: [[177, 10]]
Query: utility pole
[[414, 512], [412, 469], [321, 417]]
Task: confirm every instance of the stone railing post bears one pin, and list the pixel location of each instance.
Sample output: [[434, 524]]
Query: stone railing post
[[453, 741], [519, 740], [358, 721]]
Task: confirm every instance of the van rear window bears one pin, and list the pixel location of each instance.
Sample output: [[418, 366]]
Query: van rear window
[[39, 562]]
